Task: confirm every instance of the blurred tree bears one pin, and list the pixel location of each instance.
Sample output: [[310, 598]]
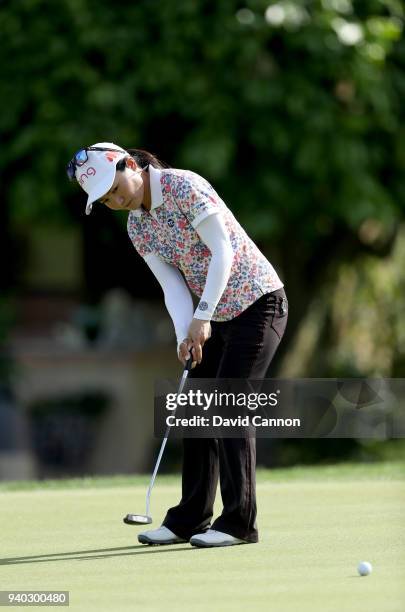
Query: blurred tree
[[292, 109], [356, 324]]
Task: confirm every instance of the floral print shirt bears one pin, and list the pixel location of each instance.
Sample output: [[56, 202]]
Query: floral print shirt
[[180, 200]]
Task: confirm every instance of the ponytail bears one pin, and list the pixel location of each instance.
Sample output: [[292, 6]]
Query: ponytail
[[142, 158]]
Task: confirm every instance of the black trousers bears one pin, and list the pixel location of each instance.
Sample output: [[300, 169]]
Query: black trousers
[[240, 348]]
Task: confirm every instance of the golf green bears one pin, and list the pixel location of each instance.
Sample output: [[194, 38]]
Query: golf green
[[315, 526]]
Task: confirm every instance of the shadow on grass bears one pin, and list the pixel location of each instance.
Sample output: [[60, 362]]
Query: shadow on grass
[[84, 555]]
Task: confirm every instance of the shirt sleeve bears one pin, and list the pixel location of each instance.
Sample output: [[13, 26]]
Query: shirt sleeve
[[178, 299], [197, 199], [214, 234]]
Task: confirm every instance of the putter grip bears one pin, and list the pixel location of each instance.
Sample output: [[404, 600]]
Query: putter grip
[[189, 363]]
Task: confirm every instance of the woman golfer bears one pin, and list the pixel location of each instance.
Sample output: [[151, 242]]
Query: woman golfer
[[192, 242]]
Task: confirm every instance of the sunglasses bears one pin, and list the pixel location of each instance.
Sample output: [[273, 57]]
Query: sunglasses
[[79, 159]]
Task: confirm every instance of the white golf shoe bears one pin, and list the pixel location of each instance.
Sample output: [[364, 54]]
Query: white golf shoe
[[162, 535], [214, 538]]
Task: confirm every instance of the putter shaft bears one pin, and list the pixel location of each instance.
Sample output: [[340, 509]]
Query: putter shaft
[[136, 519], [162, 448]]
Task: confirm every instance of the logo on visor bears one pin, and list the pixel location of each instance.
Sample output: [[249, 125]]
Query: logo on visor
[[111, 155], [85, 175]]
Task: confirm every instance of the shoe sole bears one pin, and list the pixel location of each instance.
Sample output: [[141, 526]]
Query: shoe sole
[[202, 544], [145, 540]]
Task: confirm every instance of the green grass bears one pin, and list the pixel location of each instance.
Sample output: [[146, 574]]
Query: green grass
[[393, 470], [315, 525]]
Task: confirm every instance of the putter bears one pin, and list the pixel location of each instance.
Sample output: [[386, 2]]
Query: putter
[[146, 519]]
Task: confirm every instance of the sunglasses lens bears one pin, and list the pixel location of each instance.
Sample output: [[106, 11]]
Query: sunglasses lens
[[70, 170], [81, 157]]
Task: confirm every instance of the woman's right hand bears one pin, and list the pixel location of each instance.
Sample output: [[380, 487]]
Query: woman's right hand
[[184, 351]]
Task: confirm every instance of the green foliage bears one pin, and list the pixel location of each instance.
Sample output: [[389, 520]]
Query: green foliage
[[292, 109], [355, 324]]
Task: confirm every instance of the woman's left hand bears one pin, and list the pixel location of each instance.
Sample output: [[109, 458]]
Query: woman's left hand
[[199, 332]]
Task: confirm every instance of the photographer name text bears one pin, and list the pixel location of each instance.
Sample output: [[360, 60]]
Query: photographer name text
[[239, 421]]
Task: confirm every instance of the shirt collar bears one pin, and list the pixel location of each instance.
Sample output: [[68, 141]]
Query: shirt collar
[[156, 197]]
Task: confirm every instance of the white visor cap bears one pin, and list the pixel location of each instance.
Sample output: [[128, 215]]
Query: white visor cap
[[97, 175]]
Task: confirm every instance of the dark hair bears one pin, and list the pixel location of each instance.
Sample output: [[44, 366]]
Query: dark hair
[[142, 158]]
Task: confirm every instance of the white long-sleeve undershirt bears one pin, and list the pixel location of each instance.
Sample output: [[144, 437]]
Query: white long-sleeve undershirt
[[213, 232], [178, 299]]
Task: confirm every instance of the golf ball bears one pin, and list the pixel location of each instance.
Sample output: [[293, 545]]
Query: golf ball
[[364, 568]]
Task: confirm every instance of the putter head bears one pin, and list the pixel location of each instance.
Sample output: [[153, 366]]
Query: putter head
[[137, 519]]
